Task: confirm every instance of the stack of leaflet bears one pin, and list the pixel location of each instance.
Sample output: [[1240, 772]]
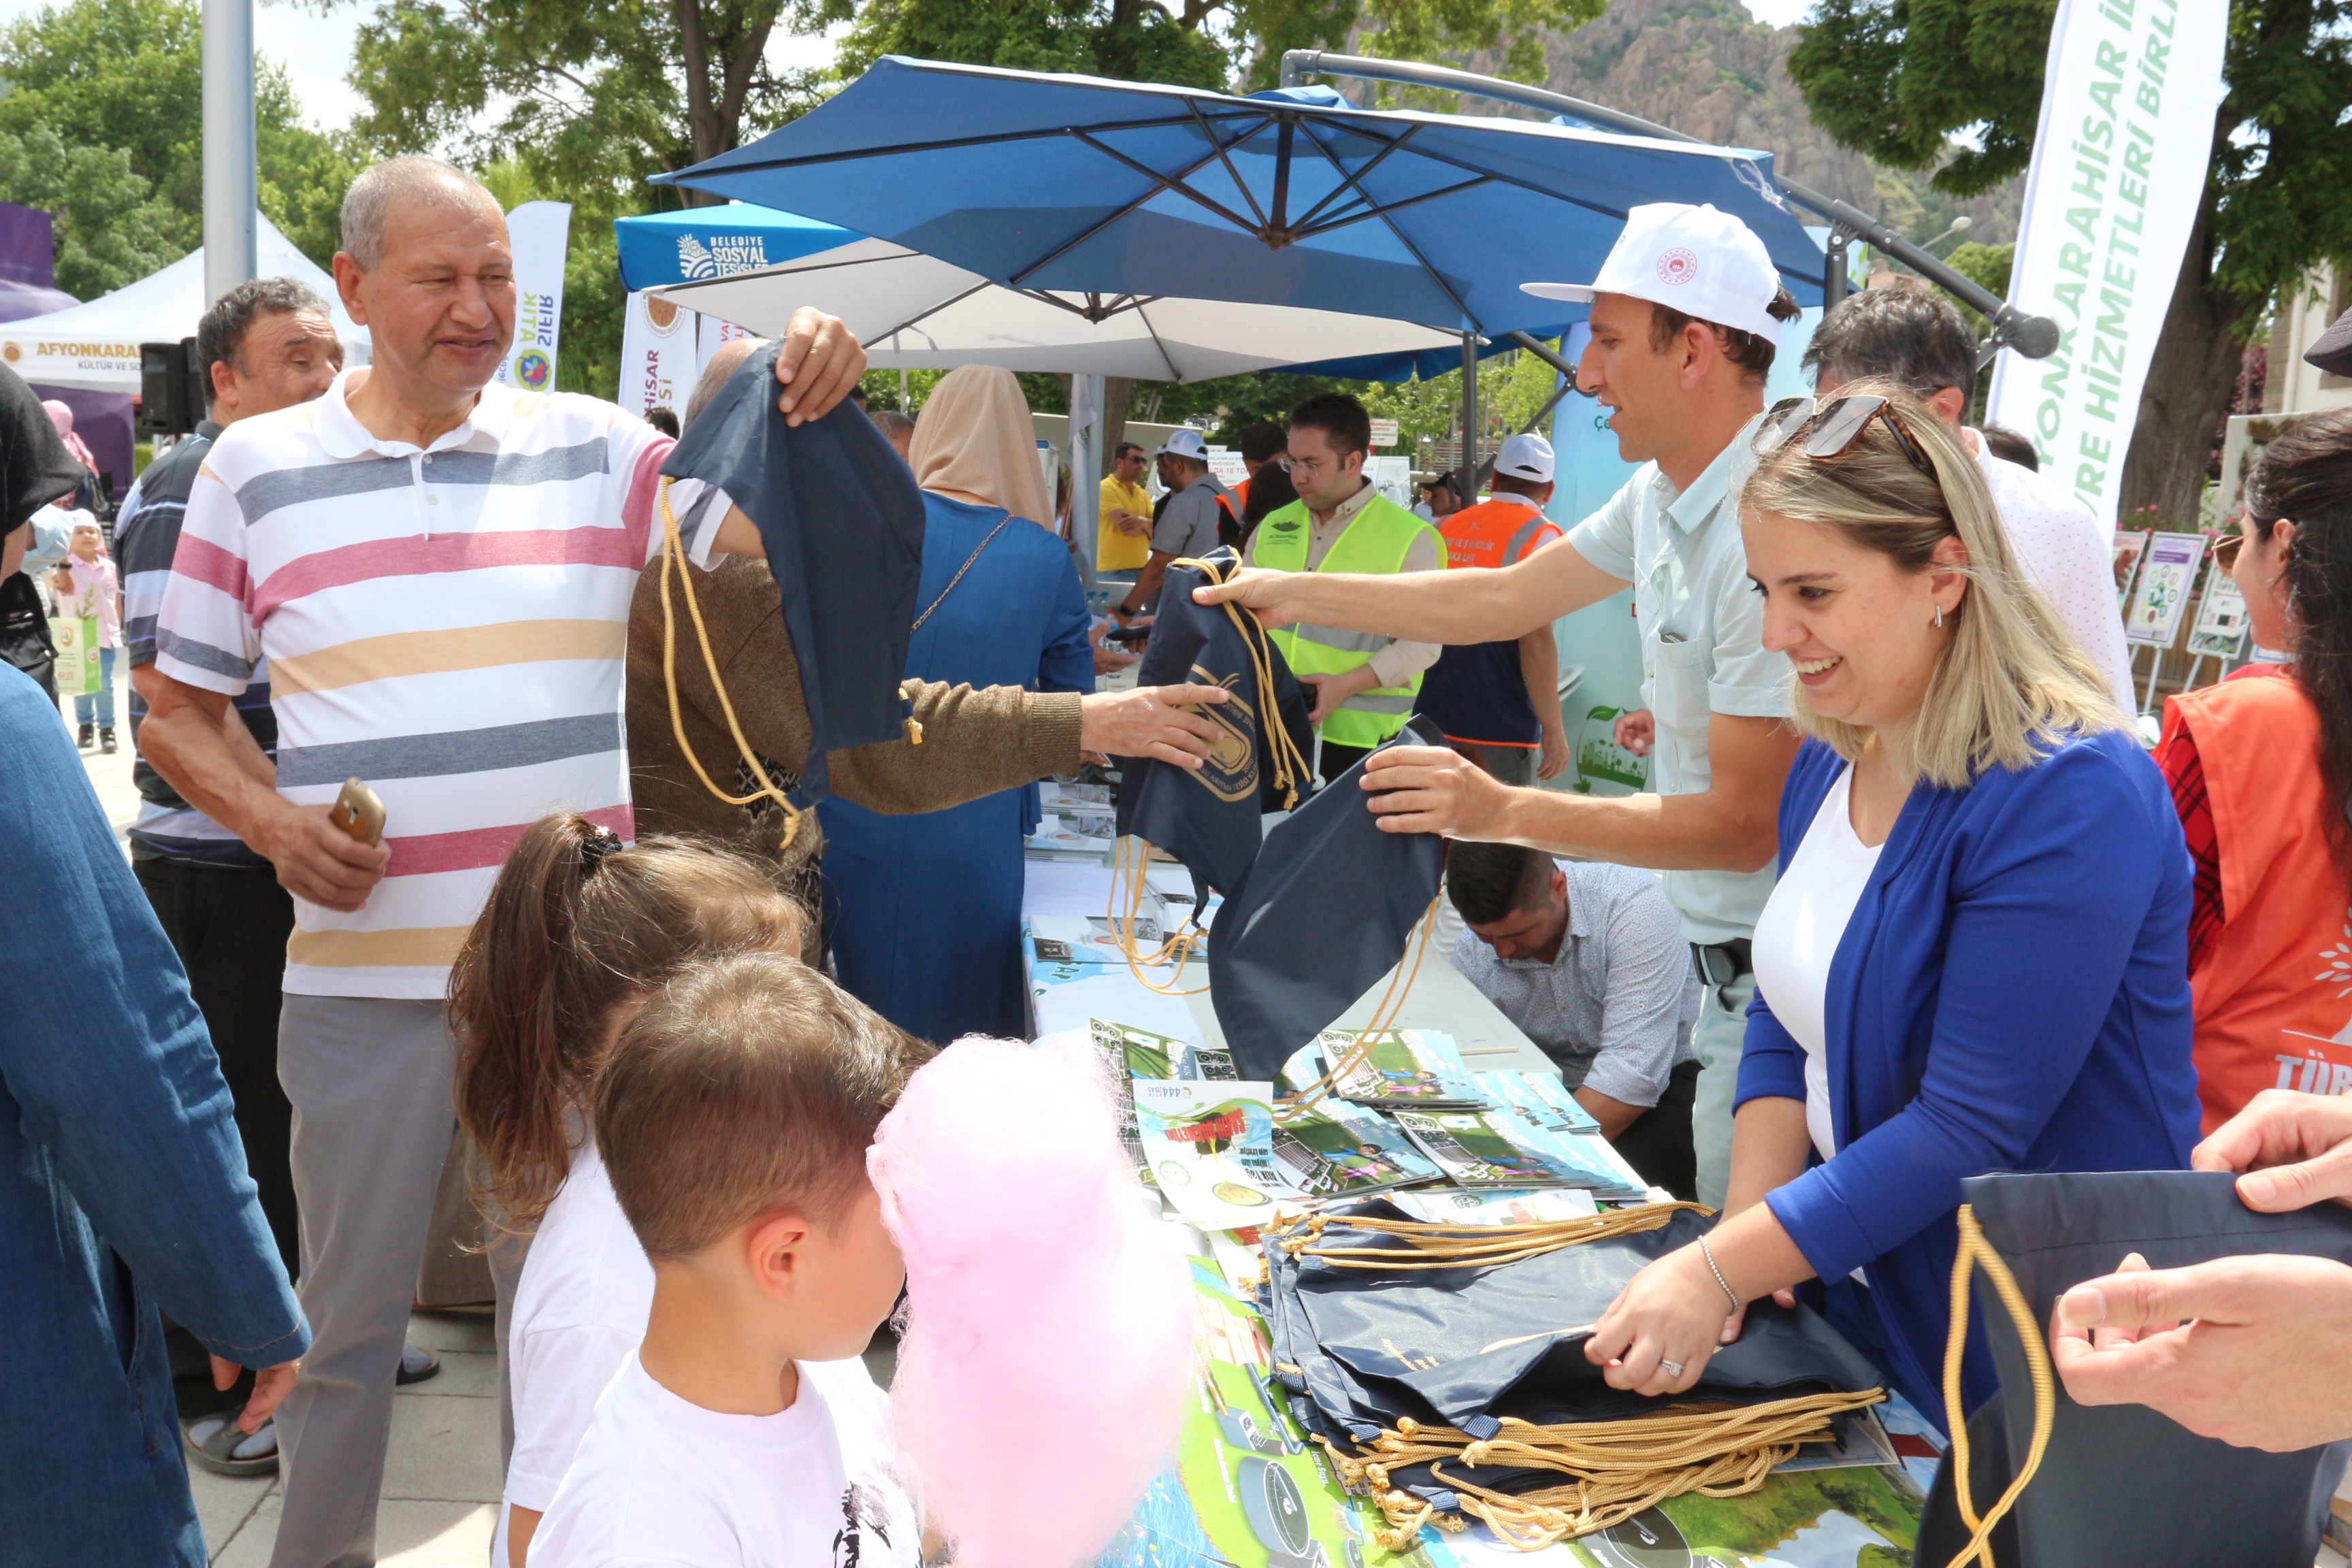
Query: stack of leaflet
[[1515, 1133], [1076, 824], [1211, 1143]]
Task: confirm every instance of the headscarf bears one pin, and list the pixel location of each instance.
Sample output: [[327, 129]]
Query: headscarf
[[61, 416], [34, 467], [974, 442]]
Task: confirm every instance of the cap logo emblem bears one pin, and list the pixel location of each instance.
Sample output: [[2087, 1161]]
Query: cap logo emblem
[[1677, 267]]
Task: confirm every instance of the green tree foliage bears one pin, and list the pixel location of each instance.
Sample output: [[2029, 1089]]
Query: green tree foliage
[[101, 123], [1899, 78], [110, 231], [1195, 43]]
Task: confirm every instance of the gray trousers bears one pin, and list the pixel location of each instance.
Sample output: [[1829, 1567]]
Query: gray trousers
[[1717, 1037], [369, 1083]]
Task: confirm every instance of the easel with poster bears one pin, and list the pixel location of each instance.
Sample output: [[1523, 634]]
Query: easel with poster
[[2220, 631], [2159, 598]]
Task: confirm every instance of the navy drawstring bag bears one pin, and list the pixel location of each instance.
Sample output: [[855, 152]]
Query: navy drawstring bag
[[1210, 818], [2122, 1486], [843, 522], [1325, 912]]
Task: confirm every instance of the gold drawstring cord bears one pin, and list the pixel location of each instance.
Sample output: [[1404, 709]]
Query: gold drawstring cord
[[1976, 1252], [1619, 1468], [1289, 763], [1176, 949], [1383, 1018], [673, 547], [1465, 1245]]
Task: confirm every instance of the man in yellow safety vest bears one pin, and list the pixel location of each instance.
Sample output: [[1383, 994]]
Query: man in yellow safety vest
[[1364, 683]]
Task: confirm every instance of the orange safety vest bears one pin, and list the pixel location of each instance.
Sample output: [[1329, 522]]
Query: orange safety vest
[[2275, 1001], [1498, 532]]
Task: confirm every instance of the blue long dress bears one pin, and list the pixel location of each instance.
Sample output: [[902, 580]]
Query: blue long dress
[[925, 911]]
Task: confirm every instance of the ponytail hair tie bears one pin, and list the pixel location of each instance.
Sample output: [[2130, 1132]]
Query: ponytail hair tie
[[599, 842]]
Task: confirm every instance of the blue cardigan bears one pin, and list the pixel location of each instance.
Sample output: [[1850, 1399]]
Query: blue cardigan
[[2011, 993]]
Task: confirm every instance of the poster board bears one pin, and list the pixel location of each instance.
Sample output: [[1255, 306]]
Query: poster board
[[2167, 569], [2129, 546], [2220, 627]]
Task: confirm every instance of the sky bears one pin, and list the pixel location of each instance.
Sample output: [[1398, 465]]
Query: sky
[[315, 50]]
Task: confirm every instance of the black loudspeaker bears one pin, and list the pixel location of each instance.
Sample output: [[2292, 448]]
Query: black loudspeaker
[[171, 390]]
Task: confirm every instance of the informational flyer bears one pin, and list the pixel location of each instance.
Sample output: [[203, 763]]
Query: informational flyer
[[1333, 1150], [1399, 1068], [2220, 627], [1496, 1149], [2161, 595], [1210, 1147]]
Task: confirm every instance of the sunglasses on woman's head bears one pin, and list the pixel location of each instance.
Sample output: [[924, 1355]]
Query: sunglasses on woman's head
[[1837, 425]]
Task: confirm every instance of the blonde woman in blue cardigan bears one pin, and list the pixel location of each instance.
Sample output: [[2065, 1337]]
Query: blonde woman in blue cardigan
[[1976, 957]]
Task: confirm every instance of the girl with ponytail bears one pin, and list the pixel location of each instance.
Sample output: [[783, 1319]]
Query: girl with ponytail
[[579, 930]]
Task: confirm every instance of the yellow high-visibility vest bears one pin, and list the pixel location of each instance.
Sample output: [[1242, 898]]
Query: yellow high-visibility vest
[[1375, 542]]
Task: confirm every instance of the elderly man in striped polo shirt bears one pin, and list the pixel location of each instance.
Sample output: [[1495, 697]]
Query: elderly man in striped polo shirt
[[437, 570]]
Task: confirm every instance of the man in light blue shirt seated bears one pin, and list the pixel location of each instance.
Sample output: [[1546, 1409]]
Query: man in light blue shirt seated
[[1589, 959]]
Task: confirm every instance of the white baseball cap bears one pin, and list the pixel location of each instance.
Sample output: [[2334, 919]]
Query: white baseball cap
[[1526, 457], [1185, 443], [1697, 260]]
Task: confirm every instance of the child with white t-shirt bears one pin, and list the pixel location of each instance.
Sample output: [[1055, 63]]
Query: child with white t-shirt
[[579, 929], [733, 1116]]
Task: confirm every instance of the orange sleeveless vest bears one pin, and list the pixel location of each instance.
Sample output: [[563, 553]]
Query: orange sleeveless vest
[[2275, 1001]]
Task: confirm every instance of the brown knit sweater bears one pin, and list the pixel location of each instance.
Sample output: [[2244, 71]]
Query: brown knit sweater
[[975, 743]]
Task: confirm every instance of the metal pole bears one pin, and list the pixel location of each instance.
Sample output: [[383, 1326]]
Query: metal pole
[[230, 185], [2035, 337], [1087, 399], [1466, 486]]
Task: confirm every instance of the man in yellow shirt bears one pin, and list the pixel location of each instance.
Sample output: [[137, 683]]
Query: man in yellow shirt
[[1125, 542]]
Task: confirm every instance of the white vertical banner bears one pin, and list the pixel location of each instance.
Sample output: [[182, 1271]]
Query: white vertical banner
[[540, 232], [659, 358], [2119, 164]]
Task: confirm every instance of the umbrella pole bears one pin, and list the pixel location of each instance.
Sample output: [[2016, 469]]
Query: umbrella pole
[[1466, 485]]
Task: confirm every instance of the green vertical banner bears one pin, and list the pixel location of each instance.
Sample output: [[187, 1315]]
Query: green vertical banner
[[79, 672]]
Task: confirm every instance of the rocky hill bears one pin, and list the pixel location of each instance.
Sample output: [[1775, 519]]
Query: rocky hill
[[1707, 68]]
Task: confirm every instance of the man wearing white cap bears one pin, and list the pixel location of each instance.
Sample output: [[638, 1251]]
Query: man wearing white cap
[[1187, 528], [1497, 702], [1686, 314]]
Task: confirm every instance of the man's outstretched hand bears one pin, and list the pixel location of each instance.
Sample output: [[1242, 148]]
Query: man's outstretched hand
[[1273, 595], [1156, 722], [820, 360]]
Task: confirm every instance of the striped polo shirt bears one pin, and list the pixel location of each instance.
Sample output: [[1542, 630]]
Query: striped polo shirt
[[445, 623]]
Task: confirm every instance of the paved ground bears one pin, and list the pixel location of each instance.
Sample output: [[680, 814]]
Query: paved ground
[[440, 1486]]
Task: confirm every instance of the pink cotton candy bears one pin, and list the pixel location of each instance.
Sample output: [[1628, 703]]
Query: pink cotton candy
[[1046, 1354]]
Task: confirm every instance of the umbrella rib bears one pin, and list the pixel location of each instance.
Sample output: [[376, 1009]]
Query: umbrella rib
[[930, 311], [1434, 275], [1352, 182], [1376, 211], [1173, 374], [1166, 182], [1159, 182], [1240, 185], [945, 144]]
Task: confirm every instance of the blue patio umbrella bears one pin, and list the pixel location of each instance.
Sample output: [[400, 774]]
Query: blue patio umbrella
[[714, 242], [1290, 198]]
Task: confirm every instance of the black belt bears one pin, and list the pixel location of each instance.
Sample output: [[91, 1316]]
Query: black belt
[[1722, 964]]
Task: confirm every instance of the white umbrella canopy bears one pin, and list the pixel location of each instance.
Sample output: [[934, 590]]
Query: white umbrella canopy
[[914, 311], [95, 346]]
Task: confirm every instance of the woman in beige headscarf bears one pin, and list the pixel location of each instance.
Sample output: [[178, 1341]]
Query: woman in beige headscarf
[[926, 910]]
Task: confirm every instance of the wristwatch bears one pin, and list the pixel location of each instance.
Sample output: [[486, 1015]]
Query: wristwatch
[[1123, 612]]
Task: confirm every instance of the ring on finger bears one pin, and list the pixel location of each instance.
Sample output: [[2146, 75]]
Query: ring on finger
[[1672, 1368]]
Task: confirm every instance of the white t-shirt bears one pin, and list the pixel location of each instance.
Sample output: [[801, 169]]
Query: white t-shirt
[[661, 1483], [579, 1313], [1797, 935], [2070, 556]]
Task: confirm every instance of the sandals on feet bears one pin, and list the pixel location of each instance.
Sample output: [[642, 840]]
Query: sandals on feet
[[214, 1442]]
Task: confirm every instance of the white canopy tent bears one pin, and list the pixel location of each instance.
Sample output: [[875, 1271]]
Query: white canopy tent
[[917, 312], [96, 346]]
